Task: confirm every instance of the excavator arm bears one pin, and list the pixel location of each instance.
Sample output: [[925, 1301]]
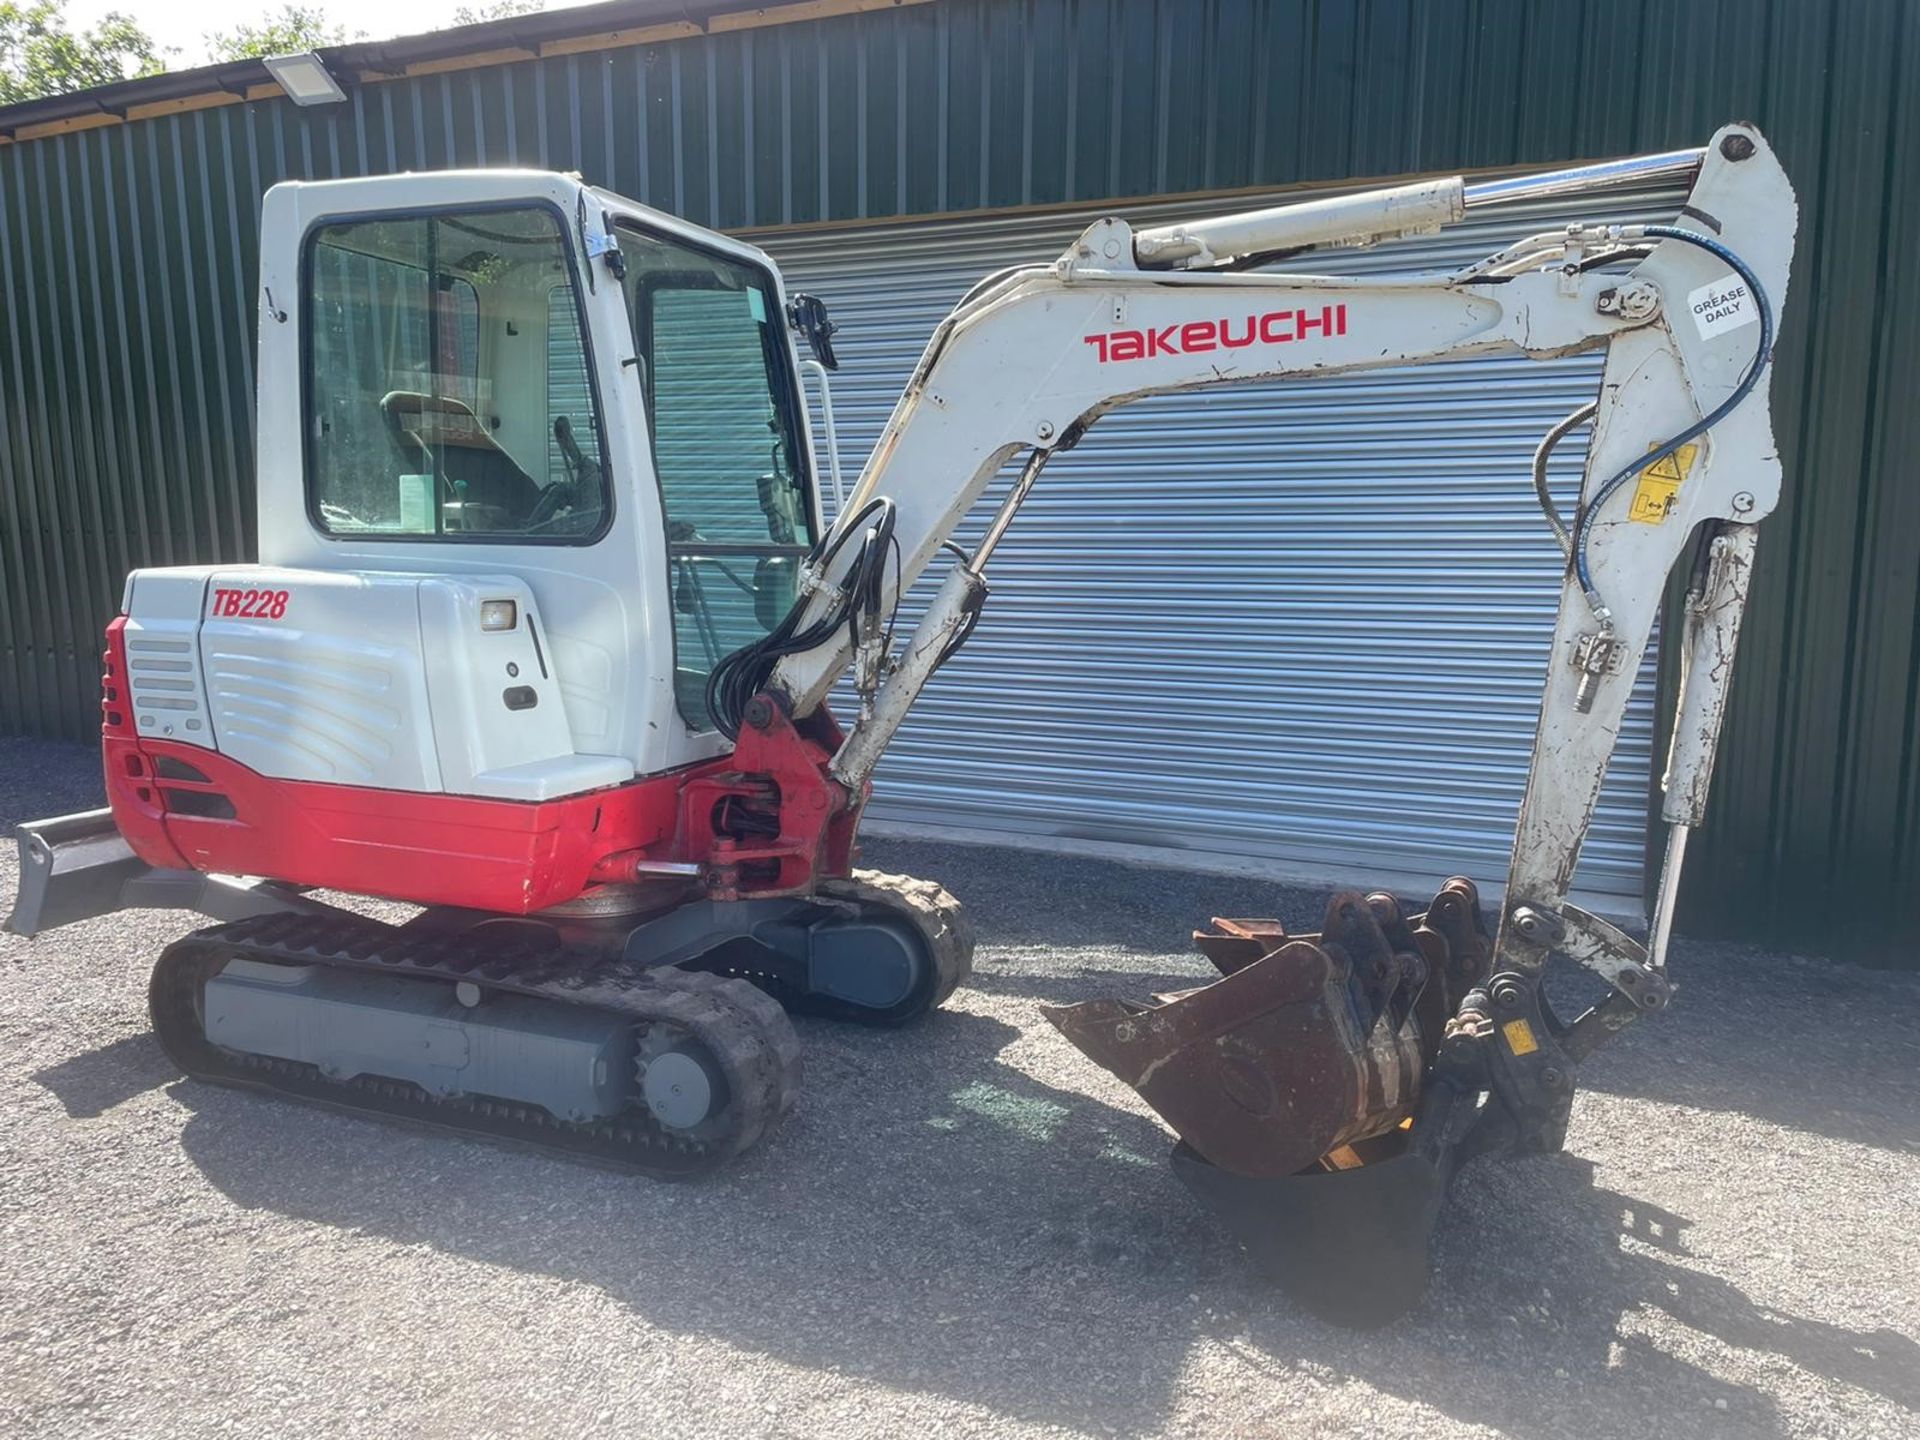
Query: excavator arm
[[1412, 1012]]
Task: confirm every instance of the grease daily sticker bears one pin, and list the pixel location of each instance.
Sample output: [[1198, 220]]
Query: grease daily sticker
[[1722, 306]]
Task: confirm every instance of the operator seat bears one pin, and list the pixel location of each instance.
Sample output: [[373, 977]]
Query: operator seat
[[438, 432]]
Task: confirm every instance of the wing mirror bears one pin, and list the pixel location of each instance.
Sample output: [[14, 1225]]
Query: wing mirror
[[773, 589], [808, 315]]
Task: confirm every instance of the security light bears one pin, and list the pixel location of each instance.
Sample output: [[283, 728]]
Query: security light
[[305, 79]]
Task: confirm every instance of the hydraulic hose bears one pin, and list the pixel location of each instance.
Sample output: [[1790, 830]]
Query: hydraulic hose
[[1541, 455], [1583, 522], [743, 673]]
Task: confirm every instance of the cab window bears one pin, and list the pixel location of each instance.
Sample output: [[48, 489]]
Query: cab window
[[722, 409], [449, 392]]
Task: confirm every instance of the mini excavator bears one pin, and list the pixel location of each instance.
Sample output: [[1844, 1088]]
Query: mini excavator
[[547, 615]]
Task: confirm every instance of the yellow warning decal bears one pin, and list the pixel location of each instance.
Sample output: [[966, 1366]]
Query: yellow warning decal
[[1519, 1037], [1659, 487]]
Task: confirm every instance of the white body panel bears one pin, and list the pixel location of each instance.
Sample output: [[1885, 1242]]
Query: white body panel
[[498, 723], [335, 690], [597, 596], [166, 682], [361, 678]]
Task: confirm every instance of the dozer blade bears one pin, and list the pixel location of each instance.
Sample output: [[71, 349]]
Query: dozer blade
[[1294, 1083]]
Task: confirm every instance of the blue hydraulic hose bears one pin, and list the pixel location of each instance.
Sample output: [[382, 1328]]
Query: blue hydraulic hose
[[1583, 524]]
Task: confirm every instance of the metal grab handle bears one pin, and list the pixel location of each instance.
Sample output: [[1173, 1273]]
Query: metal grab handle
[[819, 372]]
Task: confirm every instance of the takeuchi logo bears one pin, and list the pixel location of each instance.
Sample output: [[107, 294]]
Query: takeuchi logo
[[1276, 327]]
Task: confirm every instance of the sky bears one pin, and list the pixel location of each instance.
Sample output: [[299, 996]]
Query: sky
[[184, 24]]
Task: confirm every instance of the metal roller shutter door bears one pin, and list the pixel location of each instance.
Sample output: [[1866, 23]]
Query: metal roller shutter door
[[1304, 624]]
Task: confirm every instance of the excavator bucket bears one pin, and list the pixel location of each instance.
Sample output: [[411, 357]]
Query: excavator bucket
[[1295, 1084]]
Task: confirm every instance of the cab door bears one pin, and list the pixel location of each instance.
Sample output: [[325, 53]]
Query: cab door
[[723, 410]]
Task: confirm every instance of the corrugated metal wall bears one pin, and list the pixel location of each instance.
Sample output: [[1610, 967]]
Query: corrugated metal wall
[[1301, 622], [126, 255]]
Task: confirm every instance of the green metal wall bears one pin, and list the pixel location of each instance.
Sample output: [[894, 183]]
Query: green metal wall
[[127, 260]]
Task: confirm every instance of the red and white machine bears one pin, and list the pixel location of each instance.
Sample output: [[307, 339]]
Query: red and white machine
[[546, 617]]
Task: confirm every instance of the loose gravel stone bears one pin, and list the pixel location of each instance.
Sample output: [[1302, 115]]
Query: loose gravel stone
[[965, 1229]]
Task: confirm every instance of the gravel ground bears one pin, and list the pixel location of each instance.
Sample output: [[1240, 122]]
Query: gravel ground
[[965, 1229]]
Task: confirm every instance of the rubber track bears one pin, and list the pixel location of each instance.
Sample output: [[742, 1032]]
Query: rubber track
[[934, 912], [746, 1032]]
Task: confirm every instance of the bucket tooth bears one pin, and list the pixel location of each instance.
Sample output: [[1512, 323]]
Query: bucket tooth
[[1235, 944]]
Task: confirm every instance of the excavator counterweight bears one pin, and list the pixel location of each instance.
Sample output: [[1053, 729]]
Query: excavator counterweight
[[548, 610]]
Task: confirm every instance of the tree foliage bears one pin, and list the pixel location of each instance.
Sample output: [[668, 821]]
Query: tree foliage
[[293, 28], [40, 55], [495, 10]]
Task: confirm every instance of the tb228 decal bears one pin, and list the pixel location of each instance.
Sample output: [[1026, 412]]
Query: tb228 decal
[[249, 605]]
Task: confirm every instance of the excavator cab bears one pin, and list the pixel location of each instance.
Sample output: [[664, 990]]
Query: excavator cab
[[459, 364]]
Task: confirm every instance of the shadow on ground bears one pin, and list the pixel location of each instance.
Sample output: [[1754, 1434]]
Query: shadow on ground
[[935, 1219], [94, 1081], [1056, 901], [1808, 1045]]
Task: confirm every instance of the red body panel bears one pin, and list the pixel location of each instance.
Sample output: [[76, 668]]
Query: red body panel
[[765, 820]]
